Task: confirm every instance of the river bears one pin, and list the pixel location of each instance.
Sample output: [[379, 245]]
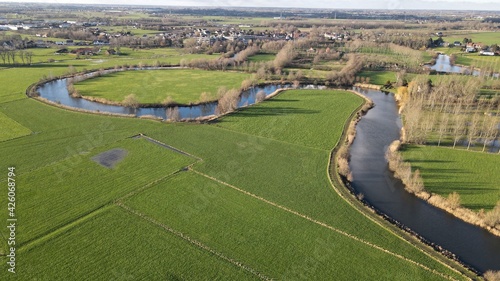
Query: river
[[473, 245], [56, 91]]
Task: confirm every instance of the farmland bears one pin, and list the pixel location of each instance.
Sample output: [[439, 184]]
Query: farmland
[[225, 148], [11, 129]]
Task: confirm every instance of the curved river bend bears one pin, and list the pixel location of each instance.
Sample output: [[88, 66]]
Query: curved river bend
[[375, 131], [56, 91], [474, 246]]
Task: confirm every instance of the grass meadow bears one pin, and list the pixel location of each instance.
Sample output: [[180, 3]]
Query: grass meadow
[[378, 77], [261, 57], [116, 245], [181, 85], [258, 204], [473, 175], [249, 229], [488, 38]]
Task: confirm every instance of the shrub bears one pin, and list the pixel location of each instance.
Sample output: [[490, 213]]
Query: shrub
[[204, 97], [491, 275], [343, 166], [492, 217], [131, 101], [417, 184], [454, 200], [76, 94], [168, 100]]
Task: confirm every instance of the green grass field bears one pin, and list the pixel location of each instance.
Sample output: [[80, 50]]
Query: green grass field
[[475, 176], [261, 57], [213, 214], [182, 85], [488, 38], [259, 201], [379, 77], [11, 129], [115, 245], [86, 186], [478, 61]]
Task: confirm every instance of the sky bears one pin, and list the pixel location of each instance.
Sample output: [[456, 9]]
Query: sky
[[330, 4]]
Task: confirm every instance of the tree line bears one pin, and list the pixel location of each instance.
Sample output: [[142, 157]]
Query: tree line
[[14, 57], [449, 110]]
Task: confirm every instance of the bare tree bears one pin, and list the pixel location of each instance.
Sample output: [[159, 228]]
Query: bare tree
[[473, 129], [11, 54], [21, 56], [443, 126], [3, 55], [228, 102], [284, 56], [459, 124], [491, 130]]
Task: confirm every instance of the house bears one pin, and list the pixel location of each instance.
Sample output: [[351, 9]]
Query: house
[[83, 51], [470, 50], [457, 43], [62, 51], [487, 53]]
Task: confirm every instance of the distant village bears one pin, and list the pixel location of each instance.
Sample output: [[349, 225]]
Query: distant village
[[468, 46], [91, 36]]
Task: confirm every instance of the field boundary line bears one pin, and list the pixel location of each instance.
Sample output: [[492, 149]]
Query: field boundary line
[[194, 242], [149, 184], [360, 240], [157, 142], [61, 230]]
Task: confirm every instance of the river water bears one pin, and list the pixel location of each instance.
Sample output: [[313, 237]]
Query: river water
[[474, 246], [443, 65]]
